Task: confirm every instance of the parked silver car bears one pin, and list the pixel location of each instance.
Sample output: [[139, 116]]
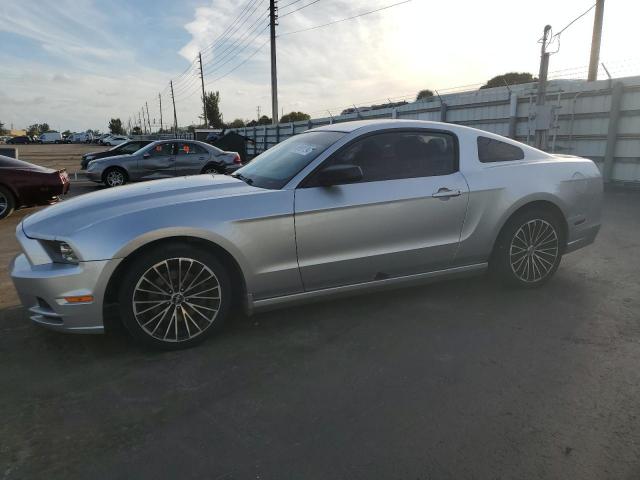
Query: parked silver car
[[339, 209], [162, 159]]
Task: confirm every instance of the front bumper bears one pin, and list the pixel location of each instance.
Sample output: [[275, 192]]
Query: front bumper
[[42, 289], [95, 176]]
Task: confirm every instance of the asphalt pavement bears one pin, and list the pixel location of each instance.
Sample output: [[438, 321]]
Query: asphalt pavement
[[458, 380]]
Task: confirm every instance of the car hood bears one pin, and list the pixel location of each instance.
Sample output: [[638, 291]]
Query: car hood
[[115, 157], [79, 213], [26, 167]]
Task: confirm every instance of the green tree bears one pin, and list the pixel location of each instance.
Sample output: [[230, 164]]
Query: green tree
[[237, 123], [510, 78], [264, 120], [37, 129], [295, 117], [424, 94], [66, 133], [212, 107], [115, 126], [136, 130]]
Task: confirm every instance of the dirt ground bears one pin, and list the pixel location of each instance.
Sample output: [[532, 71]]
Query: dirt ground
[[57, 156]]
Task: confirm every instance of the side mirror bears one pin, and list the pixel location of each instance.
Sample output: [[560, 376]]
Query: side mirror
[[339, 175], [146, 155]]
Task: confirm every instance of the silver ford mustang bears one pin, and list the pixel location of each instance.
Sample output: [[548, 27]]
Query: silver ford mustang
[[339, 209]]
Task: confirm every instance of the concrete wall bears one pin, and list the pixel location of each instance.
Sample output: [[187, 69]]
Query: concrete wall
[[582, 123]]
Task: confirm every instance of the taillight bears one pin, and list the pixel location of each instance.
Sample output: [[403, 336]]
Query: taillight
[[237, 159]]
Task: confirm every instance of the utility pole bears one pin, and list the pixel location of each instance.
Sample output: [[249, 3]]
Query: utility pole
[[140, 122], [204, 99], [258, 110], [595, 41], [148, 118], [160, 100], [175, 118], [273, 15], [144, 121], [541, 118]]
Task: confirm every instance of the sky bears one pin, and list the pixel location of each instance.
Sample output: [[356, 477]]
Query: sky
[[77, 63]]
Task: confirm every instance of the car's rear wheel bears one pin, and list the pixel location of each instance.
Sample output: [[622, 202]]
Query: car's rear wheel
[[212, 169], [7, 202], [529, 248], [114, 177], [175, 296]]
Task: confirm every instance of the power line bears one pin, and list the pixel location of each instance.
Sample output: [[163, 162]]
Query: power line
[[241, 63], [299, 8], [229, 57], [289, 4], [228, 33], [230, 48], [575, 19], [345, 19]]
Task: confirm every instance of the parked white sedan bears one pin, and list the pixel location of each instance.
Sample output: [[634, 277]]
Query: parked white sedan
[[344, 208], [114, 140]]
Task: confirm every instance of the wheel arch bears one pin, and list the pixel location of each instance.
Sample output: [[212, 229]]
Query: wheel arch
[[228, 260], [531, 204], [114, 167], [211, 163], [13, 191]]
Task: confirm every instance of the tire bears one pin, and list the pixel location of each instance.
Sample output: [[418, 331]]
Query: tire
[[114, 177], [153, 310], [7, 202], [529, 248], [211, 168]]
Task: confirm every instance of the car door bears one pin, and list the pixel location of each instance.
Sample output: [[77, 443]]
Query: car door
[[404, 217], [190, 158], [157, 162]]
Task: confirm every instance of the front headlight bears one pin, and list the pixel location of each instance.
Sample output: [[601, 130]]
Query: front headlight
[[60, 252], [89, 157]]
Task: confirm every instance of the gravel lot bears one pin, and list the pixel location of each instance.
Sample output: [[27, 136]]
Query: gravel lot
[[56, 156], [463, 379]]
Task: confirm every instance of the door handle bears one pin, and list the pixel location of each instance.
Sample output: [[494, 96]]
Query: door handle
[[200, 158], [446, 193]]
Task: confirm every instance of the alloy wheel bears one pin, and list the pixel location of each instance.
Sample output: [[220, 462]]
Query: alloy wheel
[[4, 204], [534, 250], [176, 299], [115, 178]]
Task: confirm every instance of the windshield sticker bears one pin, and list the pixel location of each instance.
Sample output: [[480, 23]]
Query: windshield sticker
[[304, 149]]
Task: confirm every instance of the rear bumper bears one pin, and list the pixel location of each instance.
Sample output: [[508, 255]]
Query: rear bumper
[[42, 289], [232, 168]]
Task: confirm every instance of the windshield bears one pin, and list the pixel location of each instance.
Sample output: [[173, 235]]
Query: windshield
[[275, 167]]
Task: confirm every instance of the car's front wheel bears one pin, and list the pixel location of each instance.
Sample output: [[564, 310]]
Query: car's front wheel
[[7, 202], [114, 177], [529, 248], [175, 296]]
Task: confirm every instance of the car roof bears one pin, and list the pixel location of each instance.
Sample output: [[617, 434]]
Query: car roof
[[375, 124]]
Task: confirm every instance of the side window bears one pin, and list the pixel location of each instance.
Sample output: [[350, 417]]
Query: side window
[[162, 150], [130, 148], [190, 149], [397, 155], [491, 150]]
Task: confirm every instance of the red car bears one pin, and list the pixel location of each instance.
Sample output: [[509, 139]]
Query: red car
[[23, 184]]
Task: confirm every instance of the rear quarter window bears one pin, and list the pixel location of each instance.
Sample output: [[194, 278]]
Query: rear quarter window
[[492, 150]]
